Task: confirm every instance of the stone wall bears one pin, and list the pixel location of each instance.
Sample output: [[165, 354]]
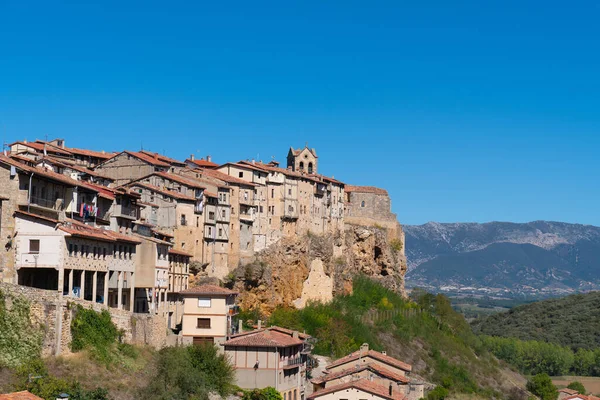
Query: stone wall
[[54, 313]]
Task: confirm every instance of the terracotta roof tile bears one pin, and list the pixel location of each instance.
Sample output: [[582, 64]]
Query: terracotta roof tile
[[208, 290], [82, 152], [179, 179], [76, 228], [266, 337], [24, 395], [381, 371], [180, 253], [32, 215], [163, 158], [39, 147], [361, 384], [373, 354], [568, 391], [365, 189], [226, 178], [203, 163]]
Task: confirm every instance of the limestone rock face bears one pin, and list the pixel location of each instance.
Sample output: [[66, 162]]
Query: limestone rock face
[[297, 270]]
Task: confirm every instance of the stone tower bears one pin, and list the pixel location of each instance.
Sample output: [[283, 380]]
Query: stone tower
[[303, 160]]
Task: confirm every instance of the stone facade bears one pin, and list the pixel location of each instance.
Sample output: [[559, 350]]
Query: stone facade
[[54, 312]]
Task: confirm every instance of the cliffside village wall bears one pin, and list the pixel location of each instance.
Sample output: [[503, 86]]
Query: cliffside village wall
[[121, 229]]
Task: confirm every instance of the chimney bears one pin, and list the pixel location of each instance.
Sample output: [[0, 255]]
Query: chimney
[[384, 352], [240, 326], [364, 349], [259, 324], [192, 157], [253, 161], [209, 158], [295, 334], [25, 141]]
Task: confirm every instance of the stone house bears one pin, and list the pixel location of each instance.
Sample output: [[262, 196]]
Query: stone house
[[303, 160], [388, 374], [152, 271], [179, 273], [271, 356], [128, 166], [208, 314], [75, 259], [358, 389]]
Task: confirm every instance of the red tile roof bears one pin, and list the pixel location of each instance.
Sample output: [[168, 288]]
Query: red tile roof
[[76, 228], [373, 354], [203, 163], [581, 397], [298, 151], [208, 290], [365, 189], [568, 391], [23, 395], [210, 194], [39, 147], [266, 337], [163, 158], [180, 253], [179, 179], [226, 178], [164, 191], [82, 152], [364, 385], [379, 370], [32, 215]]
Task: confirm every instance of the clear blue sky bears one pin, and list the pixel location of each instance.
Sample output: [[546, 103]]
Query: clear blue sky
[[464, 111]]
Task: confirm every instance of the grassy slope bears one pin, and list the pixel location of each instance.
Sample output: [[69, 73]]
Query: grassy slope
[[429, 334], [569, 321]]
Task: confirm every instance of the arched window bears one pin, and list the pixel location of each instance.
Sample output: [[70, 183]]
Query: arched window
[[362, 203], [310, 168], [301, 166]]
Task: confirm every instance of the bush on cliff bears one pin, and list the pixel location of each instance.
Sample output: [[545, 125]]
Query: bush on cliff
[[190, 372], [20, 339], [95, 332], [424, 330]]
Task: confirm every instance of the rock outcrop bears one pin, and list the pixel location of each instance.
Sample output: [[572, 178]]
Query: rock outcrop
[[297, 270]]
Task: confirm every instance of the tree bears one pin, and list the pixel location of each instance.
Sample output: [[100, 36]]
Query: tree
[[439, 393], [577, 386], [541, 385]]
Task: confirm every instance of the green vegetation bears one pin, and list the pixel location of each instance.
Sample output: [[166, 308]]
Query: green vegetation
[[577, 386], [20, 340], [533, 357], [396, 244], [35, 377], [268, 393], [189, 372], [569, 321], [541, 385], [425, 330], [481, 307], [96, 333]]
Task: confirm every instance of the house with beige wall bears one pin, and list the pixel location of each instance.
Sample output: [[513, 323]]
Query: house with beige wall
[[128, 166], [208, 314], [270, 356], [385, 375]]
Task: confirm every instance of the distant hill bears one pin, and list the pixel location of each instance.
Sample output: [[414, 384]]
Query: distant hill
[[535, 258], [572, 321]]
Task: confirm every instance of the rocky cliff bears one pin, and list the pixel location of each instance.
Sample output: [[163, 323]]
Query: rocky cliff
[[300, 269]]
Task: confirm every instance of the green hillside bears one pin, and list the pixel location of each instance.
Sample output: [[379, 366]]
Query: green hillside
[[571, 321], [425, 332]]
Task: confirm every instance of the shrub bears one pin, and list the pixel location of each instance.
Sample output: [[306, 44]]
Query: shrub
[[577, 386], [268, 393], [95, 332], [20, 340], [439, 393], [396, 244], [541, 385]]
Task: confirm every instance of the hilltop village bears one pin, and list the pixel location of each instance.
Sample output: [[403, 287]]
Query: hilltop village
[[130, 232]]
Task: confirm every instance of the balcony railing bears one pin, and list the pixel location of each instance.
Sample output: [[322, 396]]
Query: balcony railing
[[247, 217], [57, 204], [125, 211]]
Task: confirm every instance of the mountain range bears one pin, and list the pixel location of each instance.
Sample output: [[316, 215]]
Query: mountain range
[[539, 258]]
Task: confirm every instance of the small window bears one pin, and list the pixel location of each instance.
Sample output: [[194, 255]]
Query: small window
[[273, 193], [290, 191], [70, 249], [34, 246], [204, 303], [362, 203], [241, 174], [220, 232]]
